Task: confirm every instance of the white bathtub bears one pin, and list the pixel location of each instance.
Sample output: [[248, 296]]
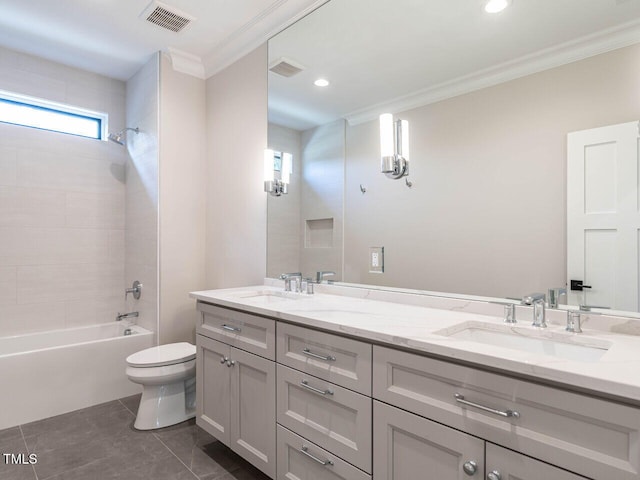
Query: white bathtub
[[49, 373]]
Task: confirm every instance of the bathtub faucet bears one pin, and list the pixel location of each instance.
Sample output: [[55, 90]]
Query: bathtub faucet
[[120, 316]]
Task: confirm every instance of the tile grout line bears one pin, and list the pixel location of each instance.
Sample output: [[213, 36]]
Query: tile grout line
[[171, 451], [33, 467], [126, 408]]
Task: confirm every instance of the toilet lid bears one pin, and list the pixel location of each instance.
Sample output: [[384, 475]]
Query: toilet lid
[[169, 354]]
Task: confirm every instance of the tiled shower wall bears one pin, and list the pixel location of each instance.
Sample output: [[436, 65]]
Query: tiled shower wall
[[62, 205], [141, 252]]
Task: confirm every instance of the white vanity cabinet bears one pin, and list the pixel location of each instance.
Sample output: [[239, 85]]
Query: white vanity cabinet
[[236, 389], [406, 444], [324, 406], [593, 437], [324, 401]]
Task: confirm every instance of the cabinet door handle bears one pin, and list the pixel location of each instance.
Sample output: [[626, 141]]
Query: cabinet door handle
[[327, 358], [304, 451], [231, 329], [305, 384], [503, 413], [494, 475], [230, 363], [223, 360]]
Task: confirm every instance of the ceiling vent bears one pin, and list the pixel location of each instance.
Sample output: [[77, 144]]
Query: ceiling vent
[[285, 67], [166, 16]]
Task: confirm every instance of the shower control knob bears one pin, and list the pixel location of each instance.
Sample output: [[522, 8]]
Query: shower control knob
[[231, 363], [494, 475], [470, 467]]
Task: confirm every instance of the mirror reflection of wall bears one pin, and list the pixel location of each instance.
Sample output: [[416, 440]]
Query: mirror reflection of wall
[[304, 232], [487, 211]]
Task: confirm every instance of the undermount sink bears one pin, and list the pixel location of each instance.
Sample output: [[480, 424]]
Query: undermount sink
[[566, 346], [266, 296]]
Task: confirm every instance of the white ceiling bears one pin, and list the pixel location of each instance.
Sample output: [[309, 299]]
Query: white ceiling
[[108, 37], [383, 55]]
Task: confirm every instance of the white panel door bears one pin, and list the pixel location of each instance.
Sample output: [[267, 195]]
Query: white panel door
[[603, 217]]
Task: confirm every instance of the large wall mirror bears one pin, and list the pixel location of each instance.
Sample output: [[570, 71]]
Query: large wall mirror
[[490, 100]]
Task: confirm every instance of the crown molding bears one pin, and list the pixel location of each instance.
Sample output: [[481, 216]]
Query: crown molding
[[269, 22], [186, 63], [579, 49]]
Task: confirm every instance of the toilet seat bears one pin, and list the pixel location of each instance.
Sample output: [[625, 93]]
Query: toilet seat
[[163, 355]]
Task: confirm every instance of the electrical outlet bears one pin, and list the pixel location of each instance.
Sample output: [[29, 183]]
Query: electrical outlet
[[376, 259]]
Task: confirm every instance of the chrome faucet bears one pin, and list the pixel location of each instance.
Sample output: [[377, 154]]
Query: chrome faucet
[[532, 297], [554, 296], [574, 322], [120, 316], [537, 300], [321, 274], [539, 319], [296, 277]]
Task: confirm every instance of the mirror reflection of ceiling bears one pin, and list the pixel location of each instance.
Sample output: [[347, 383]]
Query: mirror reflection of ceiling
[[402, 54]]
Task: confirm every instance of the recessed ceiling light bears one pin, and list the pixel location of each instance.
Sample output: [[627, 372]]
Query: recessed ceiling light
[[495, 6], [321, 82]]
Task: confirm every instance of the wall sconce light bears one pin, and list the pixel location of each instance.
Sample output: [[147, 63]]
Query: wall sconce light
[[277, 172], [394, 146]]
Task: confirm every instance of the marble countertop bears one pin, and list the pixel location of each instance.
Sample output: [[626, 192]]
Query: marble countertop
[[423, 329]]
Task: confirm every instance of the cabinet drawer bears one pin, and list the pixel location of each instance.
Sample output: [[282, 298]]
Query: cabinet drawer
[[586, 435], [248, 332], [331, 416], [299, 459], [340, 360]]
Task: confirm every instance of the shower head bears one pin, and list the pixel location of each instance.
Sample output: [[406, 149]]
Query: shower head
[[120, 137]]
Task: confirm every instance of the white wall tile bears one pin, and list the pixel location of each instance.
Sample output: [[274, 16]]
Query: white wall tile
[[28, 207], [8, 165], [62, 201], [89, 312], [19, 319], [50, 170], [8, 285], [60, 283], [89, 209]]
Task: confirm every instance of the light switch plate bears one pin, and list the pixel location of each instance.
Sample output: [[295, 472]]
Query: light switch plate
[[376, 259]]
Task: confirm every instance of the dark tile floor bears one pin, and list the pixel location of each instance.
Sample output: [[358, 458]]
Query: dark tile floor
[[99, 443]]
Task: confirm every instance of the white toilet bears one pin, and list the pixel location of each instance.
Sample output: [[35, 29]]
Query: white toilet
[[168, 376]]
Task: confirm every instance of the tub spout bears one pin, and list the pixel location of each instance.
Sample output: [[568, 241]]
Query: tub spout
[[120, 316]]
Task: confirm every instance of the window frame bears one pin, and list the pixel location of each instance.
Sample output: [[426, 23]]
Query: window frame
[[58, 108]]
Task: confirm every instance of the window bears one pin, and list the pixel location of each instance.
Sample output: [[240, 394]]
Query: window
[[37, 113]]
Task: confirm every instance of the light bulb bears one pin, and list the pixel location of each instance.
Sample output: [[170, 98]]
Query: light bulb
[[268, 165], [386, 135], [495, 6]]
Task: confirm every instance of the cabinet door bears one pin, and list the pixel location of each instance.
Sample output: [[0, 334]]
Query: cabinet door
[[299, 459], [253, 409], [407, 447], [508, 465], [212, 380]]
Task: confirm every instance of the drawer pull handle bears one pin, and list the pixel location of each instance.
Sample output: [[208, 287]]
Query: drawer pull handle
[[304, 451], [306, 385], [230, 328], [328, 358], [502, 413]]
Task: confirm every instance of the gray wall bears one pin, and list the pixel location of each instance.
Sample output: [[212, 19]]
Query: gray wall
[[486, 214], [323, 153], [182, 201], [236, 202]]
